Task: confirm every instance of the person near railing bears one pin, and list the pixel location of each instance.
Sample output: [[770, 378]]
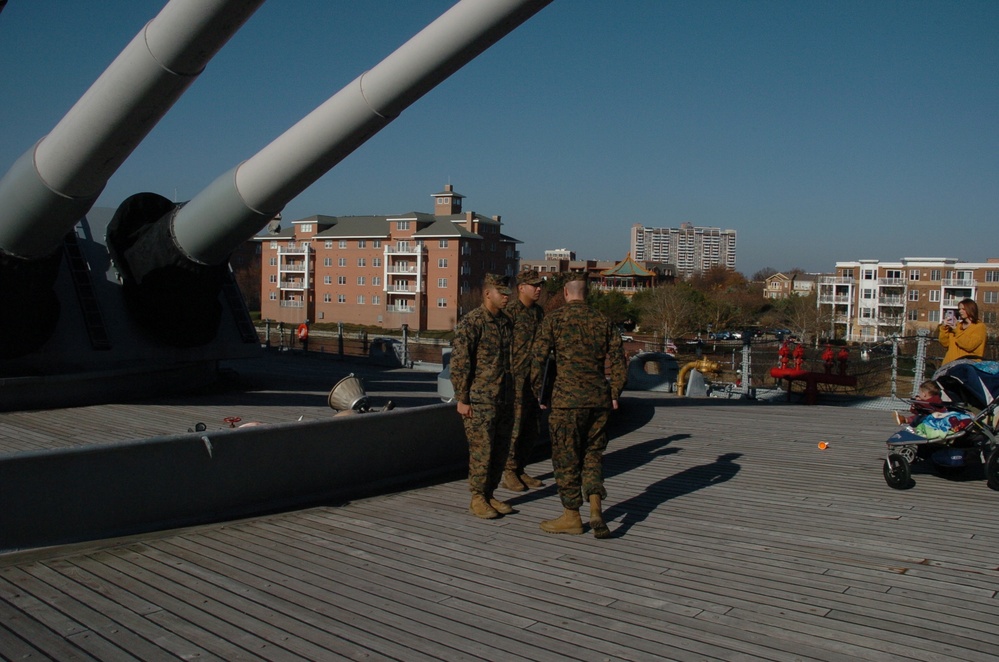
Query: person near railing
[[963, 335]]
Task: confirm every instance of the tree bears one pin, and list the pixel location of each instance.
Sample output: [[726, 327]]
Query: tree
[[613, 304], [763, 274], [673, 309]]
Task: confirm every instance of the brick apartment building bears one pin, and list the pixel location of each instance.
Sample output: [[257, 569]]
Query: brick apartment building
[[869, 300], [422, 270]]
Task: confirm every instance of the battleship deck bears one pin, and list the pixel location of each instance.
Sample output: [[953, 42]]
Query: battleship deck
[[734, 538]]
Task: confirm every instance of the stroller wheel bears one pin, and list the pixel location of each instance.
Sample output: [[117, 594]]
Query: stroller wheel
[[897, 472], [992, 469]]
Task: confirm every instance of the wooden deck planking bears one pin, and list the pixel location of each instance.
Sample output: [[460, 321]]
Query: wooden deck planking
[[783, 553]]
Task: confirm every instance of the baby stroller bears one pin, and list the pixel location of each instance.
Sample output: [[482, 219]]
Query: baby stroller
[[970, 392]]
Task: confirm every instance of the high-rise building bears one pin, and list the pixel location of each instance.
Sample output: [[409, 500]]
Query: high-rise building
[[416, 268], [692, 249]]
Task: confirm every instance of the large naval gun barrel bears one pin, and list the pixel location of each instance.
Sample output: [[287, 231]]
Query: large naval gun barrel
[[56, 182], [172, 258]]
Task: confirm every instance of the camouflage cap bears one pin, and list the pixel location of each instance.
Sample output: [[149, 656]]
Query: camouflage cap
[[501, 283], [529, 277]]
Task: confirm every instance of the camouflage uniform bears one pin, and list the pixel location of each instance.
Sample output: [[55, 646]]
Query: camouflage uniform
[[480, 374], [526, 320], [583, 340]]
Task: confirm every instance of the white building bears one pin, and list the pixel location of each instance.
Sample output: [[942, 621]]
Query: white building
[[691, 248]]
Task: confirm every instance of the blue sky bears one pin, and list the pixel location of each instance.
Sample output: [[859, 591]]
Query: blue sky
[[820, 131]]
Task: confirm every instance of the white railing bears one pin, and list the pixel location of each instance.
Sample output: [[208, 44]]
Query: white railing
[[832, 298], [837, 280], [891, 301], [292, 285], [292, 304], [959, 282]]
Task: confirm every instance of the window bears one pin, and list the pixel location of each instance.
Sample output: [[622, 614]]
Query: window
[[442, 283], [442, 262], [402, 225], [360, 280], [327, 298], [377, 243], [933, 316], [914, 274], [934, 274], [402, 246], [273, 278], [341, 298], [361, 262], [274, 244], [866, 313], [341, 262], [442, 303], [913, 295], [867, 293], [989, 317], [934, 296], [869, 274], [442, 243], [327, 262], [912, 315], [376, 262], [307, 227], [376, 280], [328, 243], [991, 297], [376, 300], [342, 243], [992, 276], [893, 274], [361, 243], [273, 296], [442, 201], [273, 262], [360, 298], [327, 280], [341, 280]]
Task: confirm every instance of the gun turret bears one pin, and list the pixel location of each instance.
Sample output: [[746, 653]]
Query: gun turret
[[172, 259], [56, 182]]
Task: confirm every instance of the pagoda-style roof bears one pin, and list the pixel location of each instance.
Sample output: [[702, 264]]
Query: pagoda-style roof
[[628, 268]]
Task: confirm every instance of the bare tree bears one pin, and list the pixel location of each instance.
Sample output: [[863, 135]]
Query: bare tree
[[672, 309]]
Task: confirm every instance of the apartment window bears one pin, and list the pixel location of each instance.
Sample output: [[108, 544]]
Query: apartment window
[[846, 273], [402, 225], [933, 316], [362, 262], [376, 262], [934, 296], [273, 296], [273, 262], [992, 276], [327, 280], [442, 283], [914, 274], [934, 274], [867, 313], [307, 227], [912, 315], [376, 300], [913, 295], [377, 243], [327, 262], [376, 280], [341, 298], [989, 317], [361, 243], [342, 243], [869, 274], [360, 298], [341, 280], [273, 278], [991, 297], [327, 298], [442, 243], [328, 243], [402, 246], [341, 262], [442, 303], [274, 244], [442, 262], [867, 293], [360, 280]]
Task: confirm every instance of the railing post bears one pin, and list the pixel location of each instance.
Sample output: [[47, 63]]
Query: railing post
[[339, 339], [894, 366], [922, 336]]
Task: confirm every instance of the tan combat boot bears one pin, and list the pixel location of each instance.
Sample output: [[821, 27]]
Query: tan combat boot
[[569, 523], [511, 482], [597, 525], [502, 507], [531, 481], [481, 508]]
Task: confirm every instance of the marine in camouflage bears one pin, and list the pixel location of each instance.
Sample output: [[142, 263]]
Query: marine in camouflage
[[526, 414]]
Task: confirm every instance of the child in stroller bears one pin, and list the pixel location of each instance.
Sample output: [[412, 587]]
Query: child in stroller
[[955, 429]]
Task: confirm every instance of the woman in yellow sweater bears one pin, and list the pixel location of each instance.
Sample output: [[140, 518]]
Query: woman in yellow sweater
[[964, 337]]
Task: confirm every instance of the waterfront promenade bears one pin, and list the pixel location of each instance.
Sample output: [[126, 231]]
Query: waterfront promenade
[[735, 538]]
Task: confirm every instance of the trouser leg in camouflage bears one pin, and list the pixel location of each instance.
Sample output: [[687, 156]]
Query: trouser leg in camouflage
[[525, 430], [488, 433], [579, 438]]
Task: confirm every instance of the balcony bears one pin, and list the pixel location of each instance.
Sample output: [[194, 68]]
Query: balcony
[[839, 299], [416, 250], [836, 280], [887, 320], [891, 282], [292, 285], [403, 290], [400, 271], [401, 309], [292, 304], [891, 301], [960, 282]]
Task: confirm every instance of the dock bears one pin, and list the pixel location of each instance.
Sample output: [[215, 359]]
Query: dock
[[735, 537]]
